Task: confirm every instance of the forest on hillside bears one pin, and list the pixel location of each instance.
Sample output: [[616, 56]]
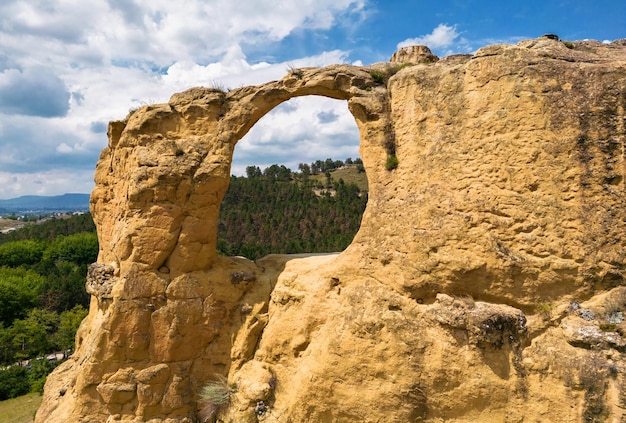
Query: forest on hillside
[[282, 212]]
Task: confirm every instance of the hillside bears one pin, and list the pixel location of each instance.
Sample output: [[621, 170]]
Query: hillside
[[276, 210], [38, 203]]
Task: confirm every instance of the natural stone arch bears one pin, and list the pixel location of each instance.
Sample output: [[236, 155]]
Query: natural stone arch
[[159, 185], [296, 136], [510, 189], [171, 163]]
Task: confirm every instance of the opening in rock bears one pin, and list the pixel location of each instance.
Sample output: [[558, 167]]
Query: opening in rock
[[298, 183]]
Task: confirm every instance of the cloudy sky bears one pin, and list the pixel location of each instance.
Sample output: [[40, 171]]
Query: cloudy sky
[[67, 67]]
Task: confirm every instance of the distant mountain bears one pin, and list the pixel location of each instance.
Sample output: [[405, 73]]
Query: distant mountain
[[37, 203]]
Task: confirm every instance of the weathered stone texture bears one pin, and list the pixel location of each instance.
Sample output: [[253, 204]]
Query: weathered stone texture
[[485, 282]]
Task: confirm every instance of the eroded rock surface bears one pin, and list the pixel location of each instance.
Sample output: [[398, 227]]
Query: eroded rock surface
[[460, 299]]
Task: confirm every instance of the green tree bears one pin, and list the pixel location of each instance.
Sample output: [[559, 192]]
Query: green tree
[[19, 289], [64, 287], [253, 172], [80, 248], [13, 382], [52, 228], [38, 372], [305, 169], [20, 253], [69, 321], [273, 214], [32, 336]]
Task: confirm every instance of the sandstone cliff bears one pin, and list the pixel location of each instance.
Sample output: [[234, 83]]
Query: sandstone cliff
[[485, 282]]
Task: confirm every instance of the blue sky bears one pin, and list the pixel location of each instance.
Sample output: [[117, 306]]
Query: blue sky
[[67, 67]]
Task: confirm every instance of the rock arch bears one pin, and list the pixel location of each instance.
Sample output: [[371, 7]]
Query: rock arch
[[510, 189], [166, 169], [167, 313]]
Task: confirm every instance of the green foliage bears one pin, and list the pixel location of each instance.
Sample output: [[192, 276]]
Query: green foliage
[[392, 162], [48, 272], [51, 229], [568, 44], [13, 382], [273, 214], [19, 290], [397, 68], [32, 336], [18, 253], [381, 76], [38, 372], [64, 287], [40, 333], [544, 310], [278, 173], [20, 380], [378, 76], [69, 321], [80, 248]]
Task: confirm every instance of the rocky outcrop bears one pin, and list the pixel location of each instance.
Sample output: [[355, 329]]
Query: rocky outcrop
[[485, 282], [413, 55]]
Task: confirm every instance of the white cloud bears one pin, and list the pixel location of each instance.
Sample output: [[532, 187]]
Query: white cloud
[[155, 31], [64, 148], [442, 36], [292, 133], [101, 58], [45, 183], [234, 71]]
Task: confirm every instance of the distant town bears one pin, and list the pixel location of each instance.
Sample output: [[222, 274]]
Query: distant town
[[11, 222], [17, 212]]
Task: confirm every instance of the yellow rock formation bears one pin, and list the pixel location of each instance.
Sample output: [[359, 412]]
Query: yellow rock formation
[[485, 283]]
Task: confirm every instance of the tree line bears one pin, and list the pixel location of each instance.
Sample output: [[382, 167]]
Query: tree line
[[283, 173]]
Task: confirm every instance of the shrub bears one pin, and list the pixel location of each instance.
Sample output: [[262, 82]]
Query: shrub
[[13, 382], [295, 71], [219, 86], [544, 310], [214, 397], [378, 76], [38, 373], [381, 76], [397, 68], [392, 162]]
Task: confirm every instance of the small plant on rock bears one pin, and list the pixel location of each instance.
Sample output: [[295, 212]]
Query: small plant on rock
[[214, 397], [544, 310], [615, 308], [295, 71], [390, 147], [378, 76], [219, 86], [132, 111], [392, 162]]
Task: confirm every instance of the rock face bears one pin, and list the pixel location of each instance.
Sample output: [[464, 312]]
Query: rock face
[[485, 282], [413, 55]]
